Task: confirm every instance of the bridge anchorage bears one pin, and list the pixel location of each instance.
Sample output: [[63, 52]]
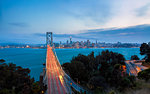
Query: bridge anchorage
[[54, 77]]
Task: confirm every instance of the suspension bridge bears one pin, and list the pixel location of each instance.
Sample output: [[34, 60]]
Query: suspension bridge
[[57, 81]]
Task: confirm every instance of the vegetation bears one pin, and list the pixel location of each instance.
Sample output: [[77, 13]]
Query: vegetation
[[145, 50], [146, 64], [2, 60], [100, 73], [145, 74], [135, 57], [16, 80]]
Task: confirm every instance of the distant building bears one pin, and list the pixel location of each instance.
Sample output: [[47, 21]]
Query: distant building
[[56, 45], [70, 40], [82, 44], [93, 44], [67, 42], [96, 42], [60, 44], [88, 43], [119, 43], [27, 46], [77, 44]]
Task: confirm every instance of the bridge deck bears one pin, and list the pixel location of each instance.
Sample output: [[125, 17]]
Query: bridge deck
[[130, 68], [134, 68], [55, 76]]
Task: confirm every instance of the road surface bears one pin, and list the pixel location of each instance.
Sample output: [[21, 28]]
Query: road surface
[[134, 68], [130, 68], [55, 76]]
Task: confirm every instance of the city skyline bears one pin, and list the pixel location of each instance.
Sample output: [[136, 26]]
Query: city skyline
[[72, 44], [22, 21]]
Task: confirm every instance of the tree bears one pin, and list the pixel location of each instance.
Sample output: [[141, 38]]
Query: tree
[[92, 64], [16, 80], [145, 50], [36, 88], [2, 60], [110, 58], [135, 57], [83, 59], [76, 69], [104, 70], [145, 74], [97, 81], [115, 78]]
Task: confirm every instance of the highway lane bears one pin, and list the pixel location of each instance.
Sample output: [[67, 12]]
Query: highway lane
[[140, 66], [133, 68], [56, 82], [130, 68]]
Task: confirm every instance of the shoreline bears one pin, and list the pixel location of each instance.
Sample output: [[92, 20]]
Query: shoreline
[[72, 48]]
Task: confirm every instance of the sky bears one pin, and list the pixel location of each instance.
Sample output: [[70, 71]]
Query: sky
[[27, 21]]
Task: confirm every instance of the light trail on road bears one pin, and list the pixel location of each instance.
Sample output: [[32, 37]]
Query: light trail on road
[[54, 74], [134, 68]]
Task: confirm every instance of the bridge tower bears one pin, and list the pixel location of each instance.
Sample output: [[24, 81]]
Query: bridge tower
[[49, 38]]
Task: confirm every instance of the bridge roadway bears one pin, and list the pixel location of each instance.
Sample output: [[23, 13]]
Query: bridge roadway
[[55, 76], [133, 68]]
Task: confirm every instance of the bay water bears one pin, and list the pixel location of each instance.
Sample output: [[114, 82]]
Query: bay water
[[34, 58]]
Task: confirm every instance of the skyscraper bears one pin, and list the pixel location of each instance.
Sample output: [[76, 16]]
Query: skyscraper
[[67, 42], [70, 40], [88, 43], [96, 42]]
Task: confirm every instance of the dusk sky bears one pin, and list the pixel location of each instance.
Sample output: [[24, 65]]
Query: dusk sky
[[27, 21]]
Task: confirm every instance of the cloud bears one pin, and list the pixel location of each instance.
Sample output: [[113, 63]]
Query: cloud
[[138, 33], [123, 33], [125, 13], [65, 36], [91, 13], [126, 33], [39, 34], [143, 10], [19, 24], [100, 14]]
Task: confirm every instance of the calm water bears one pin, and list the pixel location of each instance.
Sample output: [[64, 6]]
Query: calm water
[[33, 58]]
